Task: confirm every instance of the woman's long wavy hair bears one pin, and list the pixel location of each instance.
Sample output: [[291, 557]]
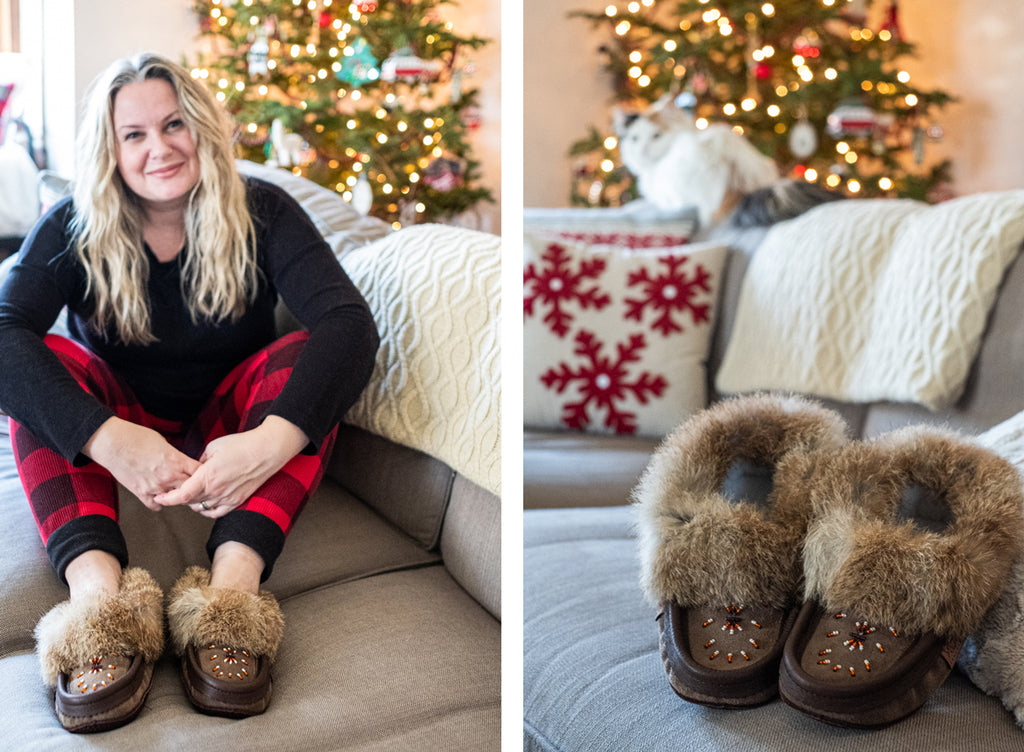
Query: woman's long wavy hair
[[219, 273]]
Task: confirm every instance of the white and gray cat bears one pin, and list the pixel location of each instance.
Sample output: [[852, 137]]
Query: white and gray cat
[[714, 169]]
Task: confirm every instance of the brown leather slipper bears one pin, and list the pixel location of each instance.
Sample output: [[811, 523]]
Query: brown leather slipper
[[912, 539], [227, 641], [226, 681], [722, 515], [846, 671], [98, 653]]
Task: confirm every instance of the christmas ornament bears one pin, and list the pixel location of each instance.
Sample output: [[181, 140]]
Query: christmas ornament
[[808, 45], [257, 57], [456, 87], [362, 195], [360, 66], [444, 174], [406, 65], [856, 11], [892, 22], [471, 117], [803, 139], [324, 19], [762, 71], [917, 144], [686, 101], [851, 119], [289, 148]]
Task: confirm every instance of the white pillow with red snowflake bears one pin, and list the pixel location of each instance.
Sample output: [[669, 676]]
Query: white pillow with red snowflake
[[615, 338]]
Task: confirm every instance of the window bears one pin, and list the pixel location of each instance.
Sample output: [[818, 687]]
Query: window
[[9, 41]]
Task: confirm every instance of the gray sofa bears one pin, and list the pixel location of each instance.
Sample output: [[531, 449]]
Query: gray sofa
[[390, 588], [593, 676]]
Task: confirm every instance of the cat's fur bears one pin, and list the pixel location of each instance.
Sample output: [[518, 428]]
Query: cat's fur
[[714, 169]]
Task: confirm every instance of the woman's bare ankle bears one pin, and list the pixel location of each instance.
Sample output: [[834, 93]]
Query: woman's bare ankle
[[93, 572], [236, 567]]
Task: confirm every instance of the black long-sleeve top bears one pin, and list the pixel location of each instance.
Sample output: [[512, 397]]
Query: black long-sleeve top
[[175, 376]]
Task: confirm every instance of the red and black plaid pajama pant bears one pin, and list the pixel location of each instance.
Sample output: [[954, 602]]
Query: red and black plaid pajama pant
[[76, 507]]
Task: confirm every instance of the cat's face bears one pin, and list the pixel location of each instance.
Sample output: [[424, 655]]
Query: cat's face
[[645, 138]]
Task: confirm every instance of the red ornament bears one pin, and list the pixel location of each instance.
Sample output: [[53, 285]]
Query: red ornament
[[892, 22], [325, 19], [443, 175], [806, 50], [762, 71]]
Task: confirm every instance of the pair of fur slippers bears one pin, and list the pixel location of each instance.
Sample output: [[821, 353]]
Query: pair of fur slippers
[[98, 652], [842, 575]]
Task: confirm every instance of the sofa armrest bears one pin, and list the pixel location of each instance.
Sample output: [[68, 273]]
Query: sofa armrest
[[471, 542]]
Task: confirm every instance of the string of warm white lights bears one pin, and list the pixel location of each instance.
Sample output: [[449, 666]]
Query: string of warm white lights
[[391, 125], [770, 70]]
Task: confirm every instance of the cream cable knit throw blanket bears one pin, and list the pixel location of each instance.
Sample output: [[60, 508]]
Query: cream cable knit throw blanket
[[865, 300], [993, 657], [435, 293]]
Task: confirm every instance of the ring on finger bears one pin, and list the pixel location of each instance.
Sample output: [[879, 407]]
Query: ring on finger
[[206, 507]]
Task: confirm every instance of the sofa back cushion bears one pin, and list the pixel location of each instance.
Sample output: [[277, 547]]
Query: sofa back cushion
[[408, 488]]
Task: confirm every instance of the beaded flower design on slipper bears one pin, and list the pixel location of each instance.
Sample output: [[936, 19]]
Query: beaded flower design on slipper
[[734, 634]]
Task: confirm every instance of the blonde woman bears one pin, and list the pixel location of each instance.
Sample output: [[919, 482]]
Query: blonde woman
[[173, 385]]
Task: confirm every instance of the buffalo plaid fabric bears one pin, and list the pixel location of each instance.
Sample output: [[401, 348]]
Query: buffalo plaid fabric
[[76, 507]]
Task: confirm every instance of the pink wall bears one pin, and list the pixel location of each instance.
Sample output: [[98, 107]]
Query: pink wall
[[972, 49]]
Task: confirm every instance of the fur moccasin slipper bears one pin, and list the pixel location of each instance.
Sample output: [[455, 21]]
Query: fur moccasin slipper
[[913, 538], [97, 652], [227, 640], [722, 513]]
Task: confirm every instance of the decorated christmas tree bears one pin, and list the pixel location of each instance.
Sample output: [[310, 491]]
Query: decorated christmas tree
[[371, 100], [811, 83]]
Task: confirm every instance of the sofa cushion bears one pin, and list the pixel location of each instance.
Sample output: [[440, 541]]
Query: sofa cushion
[[615, 338], [400, 660], [593, 677], [566, 469]]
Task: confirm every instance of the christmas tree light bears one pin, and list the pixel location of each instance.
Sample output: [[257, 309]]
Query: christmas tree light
[[341, 92], [797, 78]]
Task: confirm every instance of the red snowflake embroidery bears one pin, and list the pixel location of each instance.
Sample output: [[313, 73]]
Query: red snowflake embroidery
[[604, 382], [555, 284], [670, 291]]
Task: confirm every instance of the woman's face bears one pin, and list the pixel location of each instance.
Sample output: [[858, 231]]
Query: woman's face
[[156, 155]]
